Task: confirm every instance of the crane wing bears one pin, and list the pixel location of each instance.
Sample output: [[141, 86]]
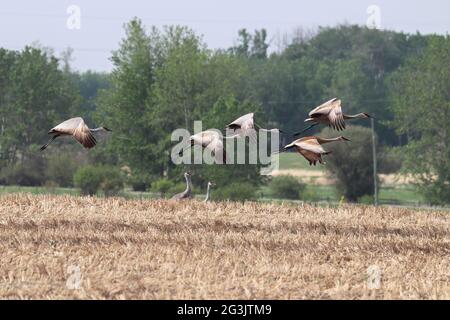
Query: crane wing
[[68, 126], [244, 122], [310, 156], [216, 146], [311, 145], [336, 116], [323, 109], [84, 136]]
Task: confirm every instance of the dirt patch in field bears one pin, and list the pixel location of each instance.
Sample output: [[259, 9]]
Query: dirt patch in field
[[320, 177]]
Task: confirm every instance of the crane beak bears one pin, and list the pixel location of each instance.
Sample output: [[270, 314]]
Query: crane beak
[[106, 129], [345, 139]]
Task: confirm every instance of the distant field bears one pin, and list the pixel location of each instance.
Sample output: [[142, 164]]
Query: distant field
[[113, 248], [398, 195], [318, 186]]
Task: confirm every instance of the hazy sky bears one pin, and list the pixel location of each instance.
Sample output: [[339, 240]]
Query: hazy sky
[[101, 24]]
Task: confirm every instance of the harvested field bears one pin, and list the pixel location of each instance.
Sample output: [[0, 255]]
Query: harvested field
[[113, 248]]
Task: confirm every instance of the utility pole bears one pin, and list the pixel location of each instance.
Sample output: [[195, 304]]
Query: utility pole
[[374, 156]]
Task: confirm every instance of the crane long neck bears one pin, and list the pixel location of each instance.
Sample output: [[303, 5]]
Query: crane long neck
[[188, 183], [208, 193], [355, 116], [97, 129], [324, 140]]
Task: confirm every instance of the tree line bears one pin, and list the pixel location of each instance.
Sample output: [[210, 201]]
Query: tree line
[[164, 79]]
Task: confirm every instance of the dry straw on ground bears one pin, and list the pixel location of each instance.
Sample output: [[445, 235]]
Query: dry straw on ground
[[163, 250]]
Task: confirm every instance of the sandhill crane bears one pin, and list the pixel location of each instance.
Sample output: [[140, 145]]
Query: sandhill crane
[[211, 140], [330, 113], [208, 191], [78, 129], [246, 126], [186, 194], [311, 147]]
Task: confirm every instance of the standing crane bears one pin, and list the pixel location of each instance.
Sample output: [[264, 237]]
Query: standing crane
[[76, 128], [187, 193], [208, 191], [311, 147], [330, 113]]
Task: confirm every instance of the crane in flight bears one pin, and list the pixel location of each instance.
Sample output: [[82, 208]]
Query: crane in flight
[[330, 113], [311, 147], [77, 128], [211, 140], [246, 126]]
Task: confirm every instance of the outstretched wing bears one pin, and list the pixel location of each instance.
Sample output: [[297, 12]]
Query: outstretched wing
[[242, 123], [322, 110], [78, 129], [216, 146], [310, 144], [336, 116], [312, 157], [84, 136]]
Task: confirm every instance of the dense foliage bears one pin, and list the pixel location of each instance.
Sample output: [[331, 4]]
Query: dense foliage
[[421, 105], [165, 79], [286, 187], [351, 162]]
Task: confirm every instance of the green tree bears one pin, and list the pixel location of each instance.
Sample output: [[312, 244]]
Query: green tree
[[38, 95], [259, 45], [124, 104], [351, 163], [421, 105]]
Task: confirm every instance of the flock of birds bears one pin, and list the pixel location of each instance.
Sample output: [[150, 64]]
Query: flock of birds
[[310, 147]]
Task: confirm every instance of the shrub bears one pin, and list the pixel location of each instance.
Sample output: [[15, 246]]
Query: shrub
[[390, 160], [236, 192], [366, 199], [60, 169], [112, 181], [139, 182], [162, 185], [28, 172], [177, 188], [310, 194], [90, 179], [351, 163], [286, 187]]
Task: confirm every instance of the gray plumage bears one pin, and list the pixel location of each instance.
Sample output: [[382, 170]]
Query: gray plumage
[[77, 128], [330, 113], [187, 193], [208, 191]]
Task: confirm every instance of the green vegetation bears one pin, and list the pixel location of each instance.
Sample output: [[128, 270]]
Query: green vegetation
[[162, 186], [351, 162], [91, 179], [286, 187], [402, 195], [165, 79], [235, 192], [421, 105]]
